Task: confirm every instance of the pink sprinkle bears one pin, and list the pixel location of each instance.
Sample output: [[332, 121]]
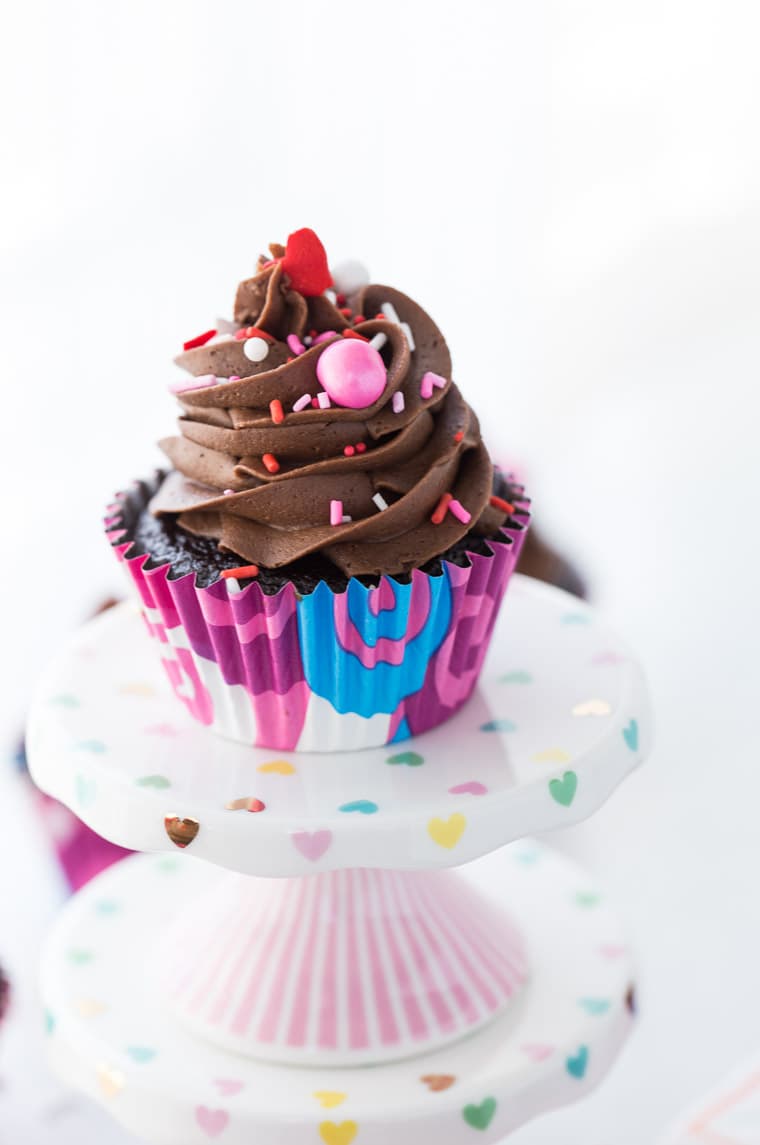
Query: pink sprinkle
[[398, 402], [324, 336], [435, 380], [201, 383], [336, 512], [457, 509], [349, 450], [302, 403], [228, 492], [295, 344], [323, 399], [234, 378], [426, 386]]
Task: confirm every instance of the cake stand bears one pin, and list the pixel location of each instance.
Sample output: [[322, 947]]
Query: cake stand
[[337, 982]]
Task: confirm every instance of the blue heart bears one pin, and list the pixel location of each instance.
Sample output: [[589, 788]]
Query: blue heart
[[631, 735], [594, 1006], [576, 1066], [66, 700], [96, 746], [517, 677], [576, 618], [49, 1022], [499, 726], [141, 1054], [86, 790], [363, 806], [106, 907]]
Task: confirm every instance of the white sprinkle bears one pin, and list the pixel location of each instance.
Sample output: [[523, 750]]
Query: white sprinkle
[[199, 383], [228, 492], [380, 501], [345, 519], [302, 403], [389, 310], [255, 349], [409, 337], [307, 340], [233, 584], [398, 402], [331, 296], [378, 341], [323, 399]]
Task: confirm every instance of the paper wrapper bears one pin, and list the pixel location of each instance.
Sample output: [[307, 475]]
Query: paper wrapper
[[327, 671]]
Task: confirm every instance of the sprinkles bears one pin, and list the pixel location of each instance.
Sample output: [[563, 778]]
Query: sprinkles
[[441, 509], [295, 344], [275, 409], [242, 572], [389, 311], [398, 402], [349, 333], [458, 436], [271, 463], [201, 340], [256, 349], [336, 512], [426, 386], [457, 509], [500, 503], [302, 403], [378, 341], [200, 383], [380, 501], [323, 399]]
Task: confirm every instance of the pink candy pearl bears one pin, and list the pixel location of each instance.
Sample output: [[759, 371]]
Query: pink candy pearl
[[352, 372]]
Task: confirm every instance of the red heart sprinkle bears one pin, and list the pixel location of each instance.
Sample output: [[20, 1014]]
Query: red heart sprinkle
[[305, 263]]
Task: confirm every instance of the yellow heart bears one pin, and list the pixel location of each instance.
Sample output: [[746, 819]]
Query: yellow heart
[[593, 707], [111, 1081], [447, 832], [328, 1100], [551, 755], [89, 1007], [342, 1134], [277, 767], [137, 689]]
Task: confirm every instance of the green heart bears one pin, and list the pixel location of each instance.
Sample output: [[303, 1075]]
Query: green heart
[[587, 898], [65, 700], [158, 781], [576, 618], [517, 677], [49, 1022], [594, 1006], [576, 1066], [141, 1054], [409, 758], [86, 790], [563, 790], [631, 735], [167, 864], [96, 746], [80, 957], [498, 726], [480, 1116], [106, 907]]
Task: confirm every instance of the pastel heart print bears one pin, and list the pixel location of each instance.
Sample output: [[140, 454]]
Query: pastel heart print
[[517, 677], [499, 726], [551, 755], [592, 707], [631, 735], [328, 1098], [587, 898], [111, 1081], [480, 1116], [246, 803], [363, 806], [594, 1006], [95, 746], [160, 782], [438, 1082], [537, 1051], [577, 1065], [447, 832], [181, 831], [406, 759], [342, 1133], [141, 1054], [86, 791], [312, 844], [277, 767], [229, 1087], [576, 618], [563, 790], [213, 1122], [472, 787]]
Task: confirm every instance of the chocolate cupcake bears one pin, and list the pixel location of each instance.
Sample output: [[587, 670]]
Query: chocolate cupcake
[[323, 561]]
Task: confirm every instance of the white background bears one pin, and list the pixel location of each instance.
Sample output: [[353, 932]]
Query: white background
[[571, 189]]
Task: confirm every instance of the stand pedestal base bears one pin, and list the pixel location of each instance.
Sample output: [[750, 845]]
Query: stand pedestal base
[[111, 1032]]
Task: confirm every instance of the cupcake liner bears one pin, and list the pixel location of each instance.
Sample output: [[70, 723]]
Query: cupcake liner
[[328, 671]]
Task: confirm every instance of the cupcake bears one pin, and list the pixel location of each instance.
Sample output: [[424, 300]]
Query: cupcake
[[322, 561]]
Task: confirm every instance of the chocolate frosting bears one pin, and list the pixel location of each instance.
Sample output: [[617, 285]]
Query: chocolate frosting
[[220, 486]]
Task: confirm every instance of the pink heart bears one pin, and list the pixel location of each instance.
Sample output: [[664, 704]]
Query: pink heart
[[312, 845], [537, 1052], [608, 658], [212, 1121], [161, 730], [227, 1087], [612, 950], [470, 788]]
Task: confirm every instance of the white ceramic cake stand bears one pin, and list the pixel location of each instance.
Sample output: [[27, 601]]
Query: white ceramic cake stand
[[185, 998]]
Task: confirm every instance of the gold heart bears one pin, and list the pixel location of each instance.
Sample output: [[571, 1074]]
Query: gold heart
[[447, 832], [593, 707], [328, 1099], [342, 1134], [89, 1007], [245, 803], [551, 755], [438, 1081], [137, 689], [181, 831], [111, 1081], [277, 767]]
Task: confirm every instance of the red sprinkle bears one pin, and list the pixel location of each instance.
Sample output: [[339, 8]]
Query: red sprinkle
[[361, 447], [458, 436], [243, 571], [441, 509], [271, 463], [380, 315], [500, 503], [349, 333], [314, 403], [275, 409], [349, 450], [345, 311], [359, 318], [201, 340], [340, 299]]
